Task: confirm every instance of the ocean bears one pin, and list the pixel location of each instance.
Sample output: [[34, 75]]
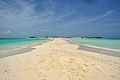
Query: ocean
[[18, 42], [11, 46], [98, 42]]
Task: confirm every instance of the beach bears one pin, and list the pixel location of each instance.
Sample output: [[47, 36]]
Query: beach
[[59, 60]]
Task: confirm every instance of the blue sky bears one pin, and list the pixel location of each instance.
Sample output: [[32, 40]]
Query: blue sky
[[23, 18]]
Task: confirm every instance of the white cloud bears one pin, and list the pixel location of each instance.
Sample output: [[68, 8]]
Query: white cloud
[[92, 19], [107, 13], [27, 17]]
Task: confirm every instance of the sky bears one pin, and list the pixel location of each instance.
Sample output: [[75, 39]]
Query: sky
[[24, 18]]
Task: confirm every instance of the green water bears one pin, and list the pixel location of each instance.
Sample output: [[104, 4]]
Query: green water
[[13, 46], [100, 42], [18, 42]]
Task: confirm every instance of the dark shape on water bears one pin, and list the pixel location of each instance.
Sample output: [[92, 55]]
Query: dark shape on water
[[33, 37]]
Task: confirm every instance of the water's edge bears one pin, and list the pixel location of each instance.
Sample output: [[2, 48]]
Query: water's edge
[[20, 50], [101, 50]]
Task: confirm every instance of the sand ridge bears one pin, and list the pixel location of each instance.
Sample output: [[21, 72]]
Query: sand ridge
[[59, 60]]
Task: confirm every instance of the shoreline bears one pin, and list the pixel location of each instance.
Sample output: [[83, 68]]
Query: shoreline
[[100, 50], [17, 51], [105, 48], [20, 50]]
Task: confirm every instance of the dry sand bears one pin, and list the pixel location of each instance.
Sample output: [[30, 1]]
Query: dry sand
[[59, 60]]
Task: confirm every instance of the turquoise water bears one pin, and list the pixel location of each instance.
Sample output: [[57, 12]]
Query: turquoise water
[[18, 42], [101, 42]]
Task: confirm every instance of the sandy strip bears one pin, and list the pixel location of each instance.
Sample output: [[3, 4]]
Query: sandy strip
[[59, 60]]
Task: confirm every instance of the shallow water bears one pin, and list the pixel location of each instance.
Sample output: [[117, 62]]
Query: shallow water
[[100, 42], [18, 42], [12, 46]]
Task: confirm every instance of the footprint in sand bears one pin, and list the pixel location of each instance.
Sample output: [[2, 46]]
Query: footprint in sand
[[85, 68], [7, 71]]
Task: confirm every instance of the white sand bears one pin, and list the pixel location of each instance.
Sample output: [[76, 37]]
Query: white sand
[[59, 60]]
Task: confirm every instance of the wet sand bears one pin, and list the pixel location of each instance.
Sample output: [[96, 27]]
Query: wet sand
[[59, 60], [100, 50]]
